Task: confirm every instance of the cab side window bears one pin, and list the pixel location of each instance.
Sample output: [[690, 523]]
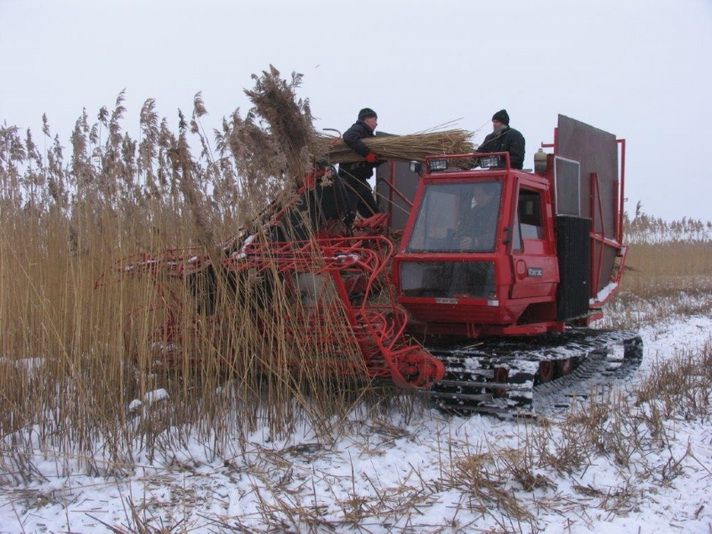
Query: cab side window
[[528, 221]]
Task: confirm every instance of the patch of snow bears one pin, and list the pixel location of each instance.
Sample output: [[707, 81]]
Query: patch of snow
[[377, 471], [28, 364], [242, 254], [604, 293], [155, 396], [347, 259]]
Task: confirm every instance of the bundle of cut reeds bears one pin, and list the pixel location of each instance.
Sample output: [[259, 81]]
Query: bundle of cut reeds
[[414, 147]]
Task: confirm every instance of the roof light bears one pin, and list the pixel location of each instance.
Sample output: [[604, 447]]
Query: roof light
[[490, 161], [438, 164]]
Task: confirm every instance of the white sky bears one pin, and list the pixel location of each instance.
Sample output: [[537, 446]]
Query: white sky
[[640, 69]]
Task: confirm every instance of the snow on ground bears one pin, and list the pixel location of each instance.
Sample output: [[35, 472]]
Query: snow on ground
[[391, 477]]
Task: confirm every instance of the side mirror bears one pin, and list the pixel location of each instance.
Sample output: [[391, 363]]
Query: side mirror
[[416, 166]]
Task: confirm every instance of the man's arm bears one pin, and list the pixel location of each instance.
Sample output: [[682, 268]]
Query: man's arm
[[353, 137], [516, 150], [483, 147]]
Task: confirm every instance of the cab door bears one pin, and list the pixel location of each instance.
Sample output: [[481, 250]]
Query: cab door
[[535, 266]]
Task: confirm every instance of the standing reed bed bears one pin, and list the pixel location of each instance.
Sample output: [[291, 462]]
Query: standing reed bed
[[664, 277], [669, 267], [646, 229], [101, 366], [667, 257]]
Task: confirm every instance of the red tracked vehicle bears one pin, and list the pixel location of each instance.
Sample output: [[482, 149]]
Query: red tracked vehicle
[[495, 272], [523, 260]]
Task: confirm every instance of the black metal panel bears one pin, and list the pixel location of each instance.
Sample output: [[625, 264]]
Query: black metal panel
[[573, 244]]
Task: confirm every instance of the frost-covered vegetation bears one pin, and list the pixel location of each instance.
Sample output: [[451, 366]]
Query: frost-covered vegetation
[[646, 229]]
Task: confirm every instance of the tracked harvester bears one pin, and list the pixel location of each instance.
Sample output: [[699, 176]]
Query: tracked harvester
[[476, 283]]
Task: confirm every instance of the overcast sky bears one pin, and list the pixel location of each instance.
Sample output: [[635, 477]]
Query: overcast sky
[[641, 69]]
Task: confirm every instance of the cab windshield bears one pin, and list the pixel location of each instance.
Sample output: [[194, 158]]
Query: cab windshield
[[458, 217]]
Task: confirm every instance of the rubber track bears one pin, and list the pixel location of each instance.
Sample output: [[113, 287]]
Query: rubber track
[[598, 358]]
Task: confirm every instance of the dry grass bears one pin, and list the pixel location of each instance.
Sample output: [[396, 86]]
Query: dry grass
[[661, 269], [74, 356], [662, 280], [246, 357], [680, 388], [667, 258]]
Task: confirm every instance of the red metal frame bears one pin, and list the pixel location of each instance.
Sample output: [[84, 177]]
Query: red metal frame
[[599, 241], [379, 329], [620, 190]]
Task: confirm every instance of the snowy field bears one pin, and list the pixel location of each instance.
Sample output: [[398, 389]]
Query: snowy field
[[424, 473]]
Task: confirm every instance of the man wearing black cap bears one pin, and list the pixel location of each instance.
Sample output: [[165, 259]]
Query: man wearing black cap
[[504, 139], [356, 175]]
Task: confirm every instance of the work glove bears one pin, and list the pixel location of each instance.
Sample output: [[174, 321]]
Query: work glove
[[372, 157]]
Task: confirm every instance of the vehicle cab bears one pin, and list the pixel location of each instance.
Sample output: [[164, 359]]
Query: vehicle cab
[[478, 253]]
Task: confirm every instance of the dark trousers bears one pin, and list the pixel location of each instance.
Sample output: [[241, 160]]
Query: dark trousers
[[359, 196]]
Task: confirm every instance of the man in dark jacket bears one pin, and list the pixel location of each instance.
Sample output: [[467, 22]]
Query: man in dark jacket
[[356, 175], [504, 139]]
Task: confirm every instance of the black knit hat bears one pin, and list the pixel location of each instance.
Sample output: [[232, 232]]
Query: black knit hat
[[501, 116], [365, 113]]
